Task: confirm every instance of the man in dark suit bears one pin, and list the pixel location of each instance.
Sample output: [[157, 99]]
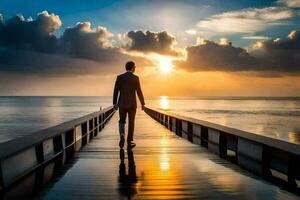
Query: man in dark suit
[[126, 87]]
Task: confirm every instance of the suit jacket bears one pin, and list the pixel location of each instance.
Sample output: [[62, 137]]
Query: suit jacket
[[126, 87]]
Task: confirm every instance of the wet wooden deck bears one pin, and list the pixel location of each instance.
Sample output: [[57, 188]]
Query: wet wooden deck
[[162, 166]]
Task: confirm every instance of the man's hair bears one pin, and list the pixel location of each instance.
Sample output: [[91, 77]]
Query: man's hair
[[129, 65]]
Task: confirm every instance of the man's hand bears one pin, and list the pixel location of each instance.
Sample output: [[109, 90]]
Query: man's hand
[[116, 107], [143, 107]]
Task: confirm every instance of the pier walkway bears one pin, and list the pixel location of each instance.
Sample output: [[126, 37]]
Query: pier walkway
[[161, 166]]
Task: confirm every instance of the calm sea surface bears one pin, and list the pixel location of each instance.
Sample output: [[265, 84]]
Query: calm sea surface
[[273, 117]]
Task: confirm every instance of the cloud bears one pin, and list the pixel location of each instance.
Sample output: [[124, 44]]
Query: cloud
[[255, 37], [83, 41], [290, 3], [31, 62], [246, 20], [30, 46], [273, 56], [59, 65], [210, 56], [37, 35], [191, 31], [224, 41], [152, 42], [280, 54]]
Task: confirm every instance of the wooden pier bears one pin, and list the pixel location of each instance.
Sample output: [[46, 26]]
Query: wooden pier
[[163, 165]]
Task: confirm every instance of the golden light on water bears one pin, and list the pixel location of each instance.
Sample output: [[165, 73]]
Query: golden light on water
[[164, 102], [164, 157], [164, 161]]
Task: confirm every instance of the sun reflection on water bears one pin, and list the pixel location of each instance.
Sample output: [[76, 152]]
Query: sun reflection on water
[[164, 102]]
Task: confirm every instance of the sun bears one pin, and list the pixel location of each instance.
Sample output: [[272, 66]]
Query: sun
[[165, 65]]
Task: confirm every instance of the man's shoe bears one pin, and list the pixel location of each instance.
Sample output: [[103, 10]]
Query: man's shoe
[[131, 145], [122, 141]]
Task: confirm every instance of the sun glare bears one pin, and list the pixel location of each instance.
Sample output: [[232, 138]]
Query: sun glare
[[165, 65]]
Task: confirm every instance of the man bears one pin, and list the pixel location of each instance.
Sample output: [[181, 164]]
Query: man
[[126, 87]]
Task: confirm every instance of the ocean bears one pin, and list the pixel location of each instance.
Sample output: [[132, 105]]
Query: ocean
[[273, 117]]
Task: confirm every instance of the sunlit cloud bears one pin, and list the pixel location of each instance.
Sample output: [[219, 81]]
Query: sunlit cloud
[[255, 37], [224, 41], [290, 3], [191, 31], [246, 20]]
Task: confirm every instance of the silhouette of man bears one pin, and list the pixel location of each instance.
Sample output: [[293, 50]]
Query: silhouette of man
[[124, 98]]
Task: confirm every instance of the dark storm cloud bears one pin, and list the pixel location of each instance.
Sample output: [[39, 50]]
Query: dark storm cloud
[[152, 42], [277, 56]]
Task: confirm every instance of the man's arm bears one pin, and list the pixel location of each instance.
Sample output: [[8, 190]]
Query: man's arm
[[140, 93], [116, 92]]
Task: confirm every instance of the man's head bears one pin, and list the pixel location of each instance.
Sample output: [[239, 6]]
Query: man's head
[[130, 66]]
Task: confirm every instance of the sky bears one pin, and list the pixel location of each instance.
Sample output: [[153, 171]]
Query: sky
[[180, 47]]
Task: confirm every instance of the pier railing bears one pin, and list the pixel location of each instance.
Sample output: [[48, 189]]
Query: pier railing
[[21, 156], [275, 160]]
